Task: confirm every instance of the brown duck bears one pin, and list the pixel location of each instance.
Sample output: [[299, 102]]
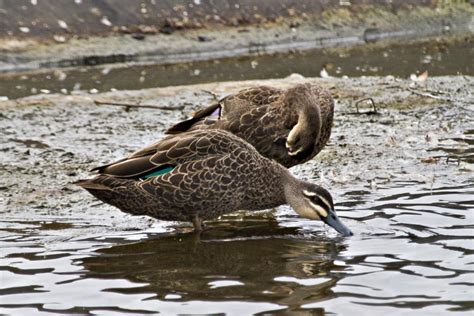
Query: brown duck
[[290, 126], [202, 174]]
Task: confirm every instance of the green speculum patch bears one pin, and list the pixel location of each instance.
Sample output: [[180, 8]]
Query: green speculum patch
[[159, 172]]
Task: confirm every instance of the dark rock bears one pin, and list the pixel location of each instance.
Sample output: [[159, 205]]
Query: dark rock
[[294, 25], [167, 29], [202, 38], [138, 36]]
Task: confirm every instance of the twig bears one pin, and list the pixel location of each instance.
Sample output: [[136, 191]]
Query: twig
[[429, 95], [357, 112], [136, 105], [366, 99], [394, 87], [214, 95], [455, 158]]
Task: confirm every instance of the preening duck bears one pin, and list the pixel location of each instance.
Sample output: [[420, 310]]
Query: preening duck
[[290, 126]]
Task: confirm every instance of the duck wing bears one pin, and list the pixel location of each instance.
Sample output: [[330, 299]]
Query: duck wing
[[172, 151], [266, 128], [228, 108]]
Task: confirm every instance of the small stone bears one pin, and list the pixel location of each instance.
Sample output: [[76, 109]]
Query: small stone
[[62, 24], [167, 29], [294, 25], [105, 21], [138, 36], [295, 76], [324, 73], [430, 159], [59, 38], [202, 38]]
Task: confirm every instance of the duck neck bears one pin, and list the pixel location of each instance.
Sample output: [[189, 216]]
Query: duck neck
[[291, 187], [301, 100], [309, 117]]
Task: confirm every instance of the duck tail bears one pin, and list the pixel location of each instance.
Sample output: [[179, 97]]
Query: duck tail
[[182, 126], [186, 125], [102, 189], [90, 184], [117, 192]]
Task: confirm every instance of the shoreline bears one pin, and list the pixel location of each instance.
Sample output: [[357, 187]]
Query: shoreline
[[335, 27]]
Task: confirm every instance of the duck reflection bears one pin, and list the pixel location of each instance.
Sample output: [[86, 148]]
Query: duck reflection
[[249, 260]]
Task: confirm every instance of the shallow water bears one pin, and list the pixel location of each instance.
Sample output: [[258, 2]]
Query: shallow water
[[412, 253], [438, 58]]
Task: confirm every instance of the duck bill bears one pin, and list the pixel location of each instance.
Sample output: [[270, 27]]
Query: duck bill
[[333, 220]]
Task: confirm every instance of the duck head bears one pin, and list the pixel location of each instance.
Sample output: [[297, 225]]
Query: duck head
[[306, 132], [314, 202]]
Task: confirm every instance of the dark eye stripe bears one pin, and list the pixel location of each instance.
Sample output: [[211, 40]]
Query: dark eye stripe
[[318, 201]]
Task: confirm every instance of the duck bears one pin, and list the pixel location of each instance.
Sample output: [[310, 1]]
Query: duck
[[289, 126], [202, 174]]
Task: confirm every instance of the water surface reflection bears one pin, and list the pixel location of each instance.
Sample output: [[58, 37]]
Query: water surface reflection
[[281, 270]]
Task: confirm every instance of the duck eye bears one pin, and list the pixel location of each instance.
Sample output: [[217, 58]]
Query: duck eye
[[315, 199]]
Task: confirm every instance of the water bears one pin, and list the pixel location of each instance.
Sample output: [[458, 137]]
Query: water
[[438, 57], [412, 254], [416, 266]]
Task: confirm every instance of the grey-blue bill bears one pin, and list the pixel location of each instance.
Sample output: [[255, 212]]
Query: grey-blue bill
[[333, 220]]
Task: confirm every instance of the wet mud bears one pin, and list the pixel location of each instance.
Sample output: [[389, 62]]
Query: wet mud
[[402, 177]]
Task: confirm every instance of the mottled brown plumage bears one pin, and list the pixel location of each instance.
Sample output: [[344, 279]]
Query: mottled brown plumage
[[207, 173], [290, 126]]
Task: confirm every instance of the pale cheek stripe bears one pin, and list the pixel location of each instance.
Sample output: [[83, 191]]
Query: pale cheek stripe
[[320, 209], [308, 193], [325, 202]]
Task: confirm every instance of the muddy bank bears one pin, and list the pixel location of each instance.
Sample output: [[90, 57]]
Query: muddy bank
[[46, 18], [308, 25], [422, 133]]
